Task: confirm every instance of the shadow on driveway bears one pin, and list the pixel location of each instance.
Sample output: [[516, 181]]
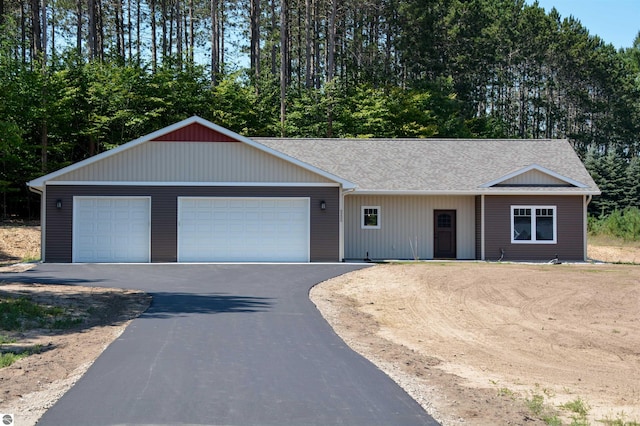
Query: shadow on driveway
[[165, 304]]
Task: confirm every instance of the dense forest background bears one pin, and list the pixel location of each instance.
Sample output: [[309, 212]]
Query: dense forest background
[[78, 77]]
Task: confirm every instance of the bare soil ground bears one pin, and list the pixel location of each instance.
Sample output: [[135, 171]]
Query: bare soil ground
[[474, 343], [487, 344], [33, 384]]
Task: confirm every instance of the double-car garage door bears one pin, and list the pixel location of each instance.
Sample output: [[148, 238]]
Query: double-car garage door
[[215, 229]]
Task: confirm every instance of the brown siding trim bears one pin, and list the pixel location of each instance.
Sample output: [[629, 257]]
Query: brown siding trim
[[570, 228], [58, 238]]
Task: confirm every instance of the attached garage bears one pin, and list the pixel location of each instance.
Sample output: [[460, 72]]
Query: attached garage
[[191, 192], [111, 229], [243, 229]]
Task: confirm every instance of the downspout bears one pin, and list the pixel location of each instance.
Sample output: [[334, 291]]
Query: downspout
[[587, 200], [341, 221], [43, 218]]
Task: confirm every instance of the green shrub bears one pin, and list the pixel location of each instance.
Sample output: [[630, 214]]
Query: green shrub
[[623, 224]]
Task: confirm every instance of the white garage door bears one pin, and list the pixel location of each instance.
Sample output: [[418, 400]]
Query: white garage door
[[243, 229], [111, 229]]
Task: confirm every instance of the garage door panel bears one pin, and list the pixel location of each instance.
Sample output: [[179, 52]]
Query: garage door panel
[[243, 229], [111, 229]]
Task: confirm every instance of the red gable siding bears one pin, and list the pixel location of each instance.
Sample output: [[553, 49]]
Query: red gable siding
[[194, 133]]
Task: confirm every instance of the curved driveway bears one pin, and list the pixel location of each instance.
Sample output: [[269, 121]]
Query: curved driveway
[[226, 345]]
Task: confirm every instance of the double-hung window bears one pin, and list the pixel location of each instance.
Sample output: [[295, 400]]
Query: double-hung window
[[533, 224], [370, 217]]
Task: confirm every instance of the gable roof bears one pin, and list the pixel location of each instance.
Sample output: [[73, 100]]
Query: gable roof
[[443, 166], [194, 129], [398, 166]]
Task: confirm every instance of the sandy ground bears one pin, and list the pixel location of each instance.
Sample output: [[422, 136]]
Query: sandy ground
[[33, 384], [471, 342]]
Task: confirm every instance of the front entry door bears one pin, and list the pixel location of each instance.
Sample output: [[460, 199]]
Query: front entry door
[[444, 234]]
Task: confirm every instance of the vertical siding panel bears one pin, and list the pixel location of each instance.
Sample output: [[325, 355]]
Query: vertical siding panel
[[534, 177], [405, 220], [570, 227], [193, 162]]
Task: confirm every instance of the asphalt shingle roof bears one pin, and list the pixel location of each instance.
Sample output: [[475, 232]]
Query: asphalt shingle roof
[[456, 165]]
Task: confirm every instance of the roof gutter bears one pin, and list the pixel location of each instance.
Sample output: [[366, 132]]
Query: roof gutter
[[474, 193]]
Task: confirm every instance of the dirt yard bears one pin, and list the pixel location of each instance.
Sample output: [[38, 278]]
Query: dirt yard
[[474, 343], [487, 344], [33, 384]]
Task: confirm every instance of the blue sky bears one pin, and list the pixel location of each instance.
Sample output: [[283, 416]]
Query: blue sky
[[615, 21]]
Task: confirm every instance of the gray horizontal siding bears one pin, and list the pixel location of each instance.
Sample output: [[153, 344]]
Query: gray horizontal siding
[[58, 239], [570, 227]]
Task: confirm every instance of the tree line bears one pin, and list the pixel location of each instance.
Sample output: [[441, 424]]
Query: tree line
[[79, 77]]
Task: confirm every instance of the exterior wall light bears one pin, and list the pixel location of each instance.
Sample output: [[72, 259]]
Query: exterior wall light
[[58, 204], [323, 205]]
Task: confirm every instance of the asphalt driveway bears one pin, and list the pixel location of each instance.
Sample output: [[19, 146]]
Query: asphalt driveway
[[225, 345]]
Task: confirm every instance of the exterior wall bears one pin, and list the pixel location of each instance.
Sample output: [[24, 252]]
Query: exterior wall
[[570, 228], [58, 239], [404, 219], [192, 162], [534, 177]]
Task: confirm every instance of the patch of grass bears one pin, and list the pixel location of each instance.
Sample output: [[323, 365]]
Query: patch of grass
[[552, 420], [66, 323], [580, 410], [6, 339], [506, 392], [22, 313], [620, 420], [536, 404], [6, 359]]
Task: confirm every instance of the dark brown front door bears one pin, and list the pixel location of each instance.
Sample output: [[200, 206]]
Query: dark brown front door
[[444, 234]]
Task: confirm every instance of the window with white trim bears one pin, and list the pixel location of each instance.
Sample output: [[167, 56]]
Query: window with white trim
[[370, 217], [533, 224]]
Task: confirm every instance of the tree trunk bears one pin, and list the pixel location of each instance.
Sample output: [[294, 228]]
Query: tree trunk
[[36, 30], [154, 41], [163, 11], [179, 33], [255, 38], [129, 31], [100, 29], [284, 69], [138, 22], [79, 26], [331, 47], [215, 42], [192, 43], [308, 51], [119, 21], [93, 38]]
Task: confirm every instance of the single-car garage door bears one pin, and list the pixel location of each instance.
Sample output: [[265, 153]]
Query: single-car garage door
[[111, 229], [243, 229]]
